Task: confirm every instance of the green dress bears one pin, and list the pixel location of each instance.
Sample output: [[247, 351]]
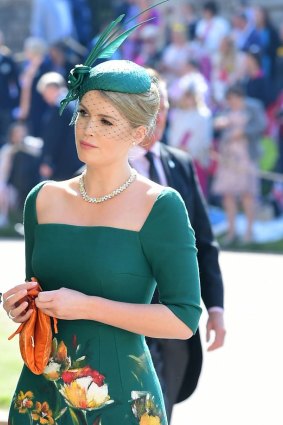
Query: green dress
[[99, 374]]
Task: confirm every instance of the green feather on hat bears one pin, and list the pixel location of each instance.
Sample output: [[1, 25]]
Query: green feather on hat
[[116, 75]]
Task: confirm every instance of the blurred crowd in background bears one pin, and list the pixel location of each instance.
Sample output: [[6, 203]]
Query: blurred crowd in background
[[225, 82]]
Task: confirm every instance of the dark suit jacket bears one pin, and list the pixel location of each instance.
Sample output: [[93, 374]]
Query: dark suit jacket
[[180, 175], [59, 149]]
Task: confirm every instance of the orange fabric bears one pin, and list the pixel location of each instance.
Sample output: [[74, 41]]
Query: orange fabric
[[35, 335]]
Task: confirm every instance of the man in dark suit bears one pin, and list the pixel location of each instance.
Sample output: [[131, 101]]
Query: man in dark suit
[[9, 89], [178, 363], [59, 159]]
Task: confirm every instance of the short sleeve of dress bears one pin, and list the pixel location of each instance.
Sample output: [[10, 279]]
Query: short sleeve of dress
[[30, 221], [169, 245]]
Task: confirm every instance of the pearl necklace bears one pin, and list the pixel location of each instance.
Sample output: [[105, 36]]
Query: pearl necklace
[[115, 192]]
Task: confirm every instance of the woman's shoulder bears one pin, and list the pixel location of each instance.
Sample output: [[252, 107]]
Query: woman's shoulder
[[49, 191], [52, 187], [170, 199], [153, 192], [168, 218], [164, 200]]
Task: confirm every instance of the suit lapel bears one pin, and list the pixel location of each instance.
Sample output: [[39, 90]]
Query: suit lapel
[[177, 176], [168, 164]]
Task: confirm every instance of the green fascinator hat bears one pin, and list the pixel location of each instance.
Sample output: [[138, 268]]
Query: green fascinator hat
[[115, 75]]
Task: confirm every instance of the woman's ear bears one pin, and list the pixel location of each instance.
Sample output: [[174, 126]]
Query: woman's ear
[[139, 134]]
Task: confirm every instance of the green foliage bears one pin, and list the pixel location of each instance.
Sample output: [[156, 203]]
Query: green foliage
[[10, 361], [265, 248]]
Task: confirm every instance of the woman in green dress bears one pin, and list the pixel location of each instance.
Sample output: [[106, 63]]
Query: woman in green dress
[[98, 244]]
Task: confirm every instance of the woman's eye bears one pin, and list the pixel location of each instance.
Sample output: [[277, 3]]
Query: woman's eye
[[106, 122], [82, 112]]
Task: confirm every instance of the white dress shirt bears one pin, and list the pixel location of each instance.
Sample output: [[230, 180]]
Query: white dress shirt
[[140, 163]]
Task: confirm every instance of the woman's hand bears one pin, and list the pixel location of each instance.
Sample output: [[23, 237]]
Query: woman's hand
[[63, 303], [15, 304]]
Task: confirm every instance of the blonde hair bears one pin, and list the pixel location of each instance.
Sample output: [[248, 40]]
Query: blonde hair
[[138, 109]]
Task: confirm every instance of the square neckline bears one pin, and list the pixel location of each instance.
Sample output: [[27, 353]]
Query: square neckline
[[162, 192]]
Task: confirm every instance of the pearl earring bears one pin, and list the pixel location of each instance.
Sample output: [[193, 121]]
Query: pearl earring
[[134, 143]]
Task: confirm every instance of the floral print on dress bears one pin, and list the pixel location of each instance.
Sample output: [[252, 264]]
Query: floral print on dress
[[139, 366], [81, 386], [24, 401], [83, 389], [58, 363], [40, 413], [144, 408]]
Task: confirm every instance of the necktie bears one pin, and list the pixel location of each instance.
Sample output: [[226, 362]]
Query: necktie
[[153, 174]]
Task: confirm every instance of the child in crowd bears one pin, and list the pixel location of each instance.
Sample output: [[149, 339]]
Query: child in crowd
[[190, 129]]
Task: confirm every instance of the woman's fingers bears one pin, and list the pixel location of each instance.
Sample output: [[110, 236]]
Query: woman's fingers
[[10, 293], [48, 311], [46, 296], [15, 302], [11, 300], [24, 317], [26, 286], [15, 294], [18, 311], [44, 305]]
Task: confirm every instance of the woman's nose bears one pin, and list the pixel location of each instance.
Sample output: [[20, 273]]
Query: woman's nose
[[90, 128]]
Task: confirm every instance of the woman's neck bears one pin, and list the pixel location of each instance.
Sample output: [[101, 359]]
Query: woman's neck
[[100, 181]]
